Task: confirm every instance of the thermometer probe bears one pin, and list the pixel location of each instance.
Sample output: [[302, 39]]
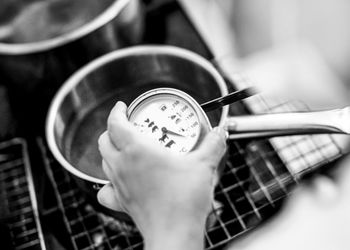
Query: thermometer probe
[[174, 119]]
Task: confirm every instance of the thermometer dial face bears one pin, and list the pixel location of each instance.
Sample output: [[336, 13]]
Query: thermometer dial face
[[168, 119]]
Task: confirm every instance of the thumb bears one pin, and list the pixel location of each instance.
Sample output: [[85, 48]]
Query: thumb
[[109, 197], [213, 147]]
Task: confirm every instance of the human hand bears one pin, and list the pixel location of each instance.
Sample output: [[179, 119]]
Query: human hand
[[168, 195]]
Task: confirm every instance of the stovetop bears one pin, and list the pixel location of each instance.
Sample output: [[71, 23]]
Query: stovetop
[[252, 187]]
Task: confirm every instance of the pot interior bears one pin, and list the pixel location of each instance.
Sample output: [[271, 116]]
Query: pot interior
[[83, 112], [39, 20]]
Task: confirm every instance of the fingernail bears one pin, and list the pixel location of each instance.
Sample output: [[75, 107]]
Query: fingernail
[[121, 105], [230, 125]]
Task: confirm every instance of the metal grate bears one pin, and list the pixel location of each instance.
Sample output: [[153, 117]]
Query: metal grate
[[19, 205], [251, 184], [88, 229]]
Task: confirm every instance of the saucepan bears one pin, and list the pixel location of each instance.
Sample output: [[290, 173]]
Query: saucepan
[[79, 111], [43, 42]]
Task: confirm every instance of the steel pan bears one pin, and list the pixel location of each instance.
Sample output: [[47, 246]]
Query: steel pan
[[34, 70], [79, 111]]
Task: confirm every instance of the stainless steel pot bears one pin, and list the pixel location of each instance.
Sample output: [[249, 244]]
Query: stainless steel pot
[[34, 71], [79, 111]]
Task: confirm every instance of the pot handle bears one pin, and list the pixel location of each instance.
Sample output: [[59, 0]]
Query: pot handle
[[268, 125]]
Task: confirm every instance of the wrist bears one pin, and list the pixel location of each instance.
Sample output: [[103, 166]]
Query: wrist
[[179, 235]]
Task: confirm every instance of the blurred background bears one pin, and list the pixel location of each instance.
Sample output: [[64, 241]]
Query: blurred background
[[303, 42]]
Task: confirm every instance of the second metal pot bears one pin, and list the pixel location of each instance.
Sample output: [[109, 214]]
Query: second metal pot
[[33, 71]]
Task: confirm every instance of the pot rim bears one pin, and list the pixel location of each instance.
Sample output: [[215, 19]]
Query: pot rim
[[34, 47], [77, 77]]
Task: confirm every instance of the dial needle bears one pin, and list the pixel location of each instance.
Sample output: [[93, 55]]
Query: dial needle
[[166, 131]]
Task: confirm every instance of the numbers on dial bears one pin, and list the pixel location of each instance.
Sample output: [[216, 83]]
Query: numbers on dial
[[169, 120]]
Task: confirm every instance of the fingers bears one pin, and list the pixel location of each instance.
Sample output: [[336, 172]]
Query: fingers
[[110, 198], [213, 147], [120, 129], [216, 179], [107, 170], [113, 174], [109, 153]]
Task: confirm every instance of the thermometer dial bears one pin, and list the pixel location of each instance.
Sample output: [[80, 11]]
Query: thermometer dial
[[170, 117]]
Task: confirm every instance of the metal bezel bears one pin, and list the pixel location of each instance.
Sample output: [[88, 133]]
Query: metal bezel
[[202, 117]]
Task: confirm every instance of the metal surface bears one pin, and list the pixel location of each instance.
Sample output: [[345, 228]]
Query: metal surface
[[34, 71], [301, 154], [88, 229], [270, 125], [79, 111], [19, 208], [185, 142]]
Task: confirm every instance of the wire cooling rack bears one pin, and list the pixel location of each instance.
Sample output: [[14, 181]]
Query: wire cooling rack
[[300, 154], [88, 229], [253, 181], [252, 186], [18, 201]]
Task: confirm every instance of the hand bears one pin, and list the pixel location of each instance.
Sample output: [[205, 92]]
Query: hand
[[168, 195]]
